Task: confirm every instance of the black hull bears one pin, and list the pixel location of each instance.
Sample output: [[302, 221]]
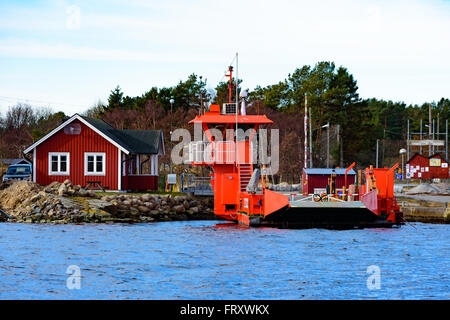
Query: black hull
[[326, 218]]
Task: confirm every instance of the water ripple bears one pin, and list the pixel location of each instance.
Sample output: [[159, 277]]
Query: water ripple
[[206, 260]]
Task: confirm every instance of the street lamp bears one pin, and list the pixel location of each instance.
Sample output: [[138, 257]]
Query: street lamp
[[402, 152], [328, 143]]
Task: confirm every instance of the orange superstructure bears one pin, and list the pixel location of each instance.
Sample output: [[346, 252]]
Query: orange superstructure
[[231, 159]]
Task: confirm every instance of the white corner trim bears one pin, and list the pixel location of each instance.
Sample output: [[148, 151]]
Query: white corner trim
[[74, 117], [95, 173], [119, 169], [34, 165]]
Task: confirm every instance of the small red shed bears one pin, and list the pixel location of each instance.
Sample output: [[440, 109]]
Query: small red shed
[[422, 167], [317, 178], [87, 150]]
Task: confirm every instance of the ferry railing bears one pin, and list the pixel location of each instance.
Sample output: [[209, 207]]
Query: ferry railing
[[210, 152], [318, 197], [199, 186]]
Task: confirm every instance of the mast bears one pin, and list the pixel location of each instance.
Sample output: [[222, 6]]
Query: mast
[[230, 83], [237, 107], [306, 131]]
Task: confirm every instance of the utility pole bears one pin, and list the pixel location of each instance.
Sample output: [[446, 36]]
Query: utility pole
[[306, 132], [376, 161], [384, 139], [171, 125], [328, 143], [433, 135], [446, 139], [340, 143], [310, 140], [420, 135], [407, 140], [429, 127]]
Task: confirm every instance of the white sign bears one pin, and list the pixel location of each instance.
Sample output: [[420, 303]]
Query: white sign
[[426, 143], [444, 165], [172, 178], [426, 169], [419, 174]]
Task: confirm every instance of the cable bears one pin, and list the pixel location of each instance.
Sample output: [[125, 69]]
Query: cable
[[27, 100]]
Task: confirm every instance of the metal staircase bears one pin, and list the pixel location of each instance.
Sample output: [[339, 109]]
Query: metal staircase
[[245, 174]]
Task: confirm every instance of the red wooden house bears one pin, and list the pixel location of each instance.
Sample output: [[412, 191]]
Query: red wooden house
[[87, 150], [314, 179], [421, 167]]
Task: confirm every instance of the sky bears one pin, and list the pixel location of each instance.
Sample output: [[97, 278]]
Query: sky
[[67, 55]]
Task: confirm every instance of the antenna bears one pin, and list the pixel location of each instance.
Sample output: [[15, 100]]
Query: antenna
[[230, 84], [237, 107]]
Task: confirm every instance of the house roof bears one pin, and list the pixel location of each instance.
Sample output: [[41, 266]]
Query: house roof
[[135, 141], [129, 141], [328, 171], [141, 141], [14, 161]]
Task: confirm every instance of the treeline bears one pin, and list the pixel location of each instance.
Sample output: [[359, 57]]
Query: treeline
[[355, 123]]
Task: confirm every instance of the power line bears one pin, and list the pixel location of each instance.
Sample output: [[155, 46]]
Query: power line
[[27, 100]]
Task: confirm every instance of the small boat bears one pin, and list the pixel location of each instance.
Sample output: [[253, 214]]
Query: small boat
[[236, 178]]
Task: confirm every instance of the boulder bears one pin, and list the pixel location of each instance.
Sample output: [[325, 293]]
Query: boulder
[[179, 208], [62, 190], [143, 209], [146, 197], [195, 210]]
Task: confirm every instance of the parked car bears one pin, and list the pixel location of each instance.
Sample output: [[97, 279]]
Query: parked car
[[18, 172]]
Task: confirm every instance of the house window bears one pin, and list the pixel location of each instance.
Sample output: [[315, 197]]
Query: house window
[[94, 164], [59, 163]]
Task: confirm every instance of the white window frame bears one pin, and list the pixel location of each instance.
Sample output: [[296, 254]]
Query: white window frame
[[94, 154], [59, 172]]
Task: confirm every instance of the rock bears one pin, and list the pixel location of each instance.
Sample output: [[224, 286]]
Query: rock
[[179, 208], [195, 210], [62, 190], [149, 205], [186, 204], [147, 197], [67, 182], [143, 209], [193, 203], [53, 185], [35, 198], [77, 187]]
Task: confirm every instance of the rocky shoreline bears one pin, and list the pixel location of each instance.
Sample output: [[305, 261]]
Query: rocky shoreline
[[27, 202]]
